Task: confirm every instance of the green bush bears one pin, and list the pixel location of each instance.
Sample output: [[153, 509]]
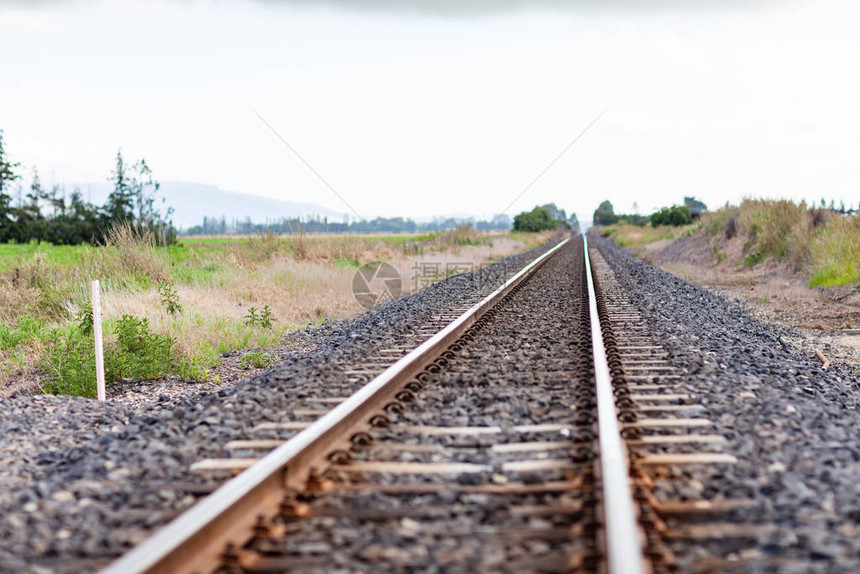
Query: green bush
[[140, 353], [675, 216], [69, 360], [538, 219], [136, 353]]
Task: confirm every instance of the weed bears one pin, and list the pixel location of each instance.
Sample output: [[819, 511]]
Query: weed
[[264, 319], [257, 360], [719, 254], [627, 235], [169, 298], [142, 354], [754, 258], [44, 294], [84, 318], [70, 363], [765, 299]]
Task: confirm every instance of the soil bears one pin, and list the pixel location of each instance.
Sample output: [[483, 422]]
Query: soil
[[773, 291]]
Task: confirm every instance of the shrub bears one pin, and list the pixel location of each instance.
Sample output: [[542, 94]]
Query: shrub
[[634, 219], [169, 298], [69, 360], [538, 219], [140, 353], [675, 216], [137, 353]]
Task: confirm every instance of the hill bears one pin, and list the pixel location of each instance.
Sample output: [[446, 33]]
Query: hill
[[194, 201]]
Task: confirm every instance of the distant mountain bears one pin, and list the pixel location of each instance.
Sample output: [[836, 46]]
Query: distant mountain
[[192, 202]]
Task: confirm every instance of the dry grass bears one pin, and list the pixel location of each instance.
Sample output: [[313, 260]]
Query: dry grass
[[132, 253], [818, 242], [301, 279]]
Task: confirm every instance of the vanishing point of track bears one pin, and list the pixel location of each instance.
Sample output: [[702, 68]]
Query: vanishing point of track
[[591, 488]]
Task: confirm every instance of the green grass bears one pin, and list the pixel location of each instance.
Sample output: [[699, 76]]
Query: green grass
[[627, 235], [836, 253], [65, 256], [258, 360]]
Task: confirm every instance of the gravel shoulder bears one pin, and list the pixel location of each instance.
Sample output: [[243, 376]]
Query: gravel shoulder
[[773, 292], [791, 424]]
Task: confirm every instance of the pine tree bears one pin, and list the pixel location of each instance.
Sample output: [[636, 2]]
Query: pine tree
[[120, 203], [7, 177]]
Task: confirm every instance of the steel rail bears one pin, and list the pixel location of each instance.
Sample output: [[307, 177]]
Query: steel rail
[[193, 541], [623, 543]]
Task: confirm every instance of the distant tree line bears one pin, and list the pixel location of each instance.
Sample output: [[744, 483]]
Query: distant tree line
[[313, 224], [51, 215], [545, 218], [675, 215]]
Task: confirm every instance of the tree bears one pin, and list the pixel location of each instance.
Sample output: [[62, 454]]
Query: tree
[[120, 202], [29, 221], [7, 169], [7, 177], [538, 219], [133, 200], [696, 207], [605, 214], [555, 212]]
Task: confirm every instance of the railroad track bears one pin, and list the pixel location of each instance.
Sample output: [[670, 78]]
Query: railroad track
[[541, 429]]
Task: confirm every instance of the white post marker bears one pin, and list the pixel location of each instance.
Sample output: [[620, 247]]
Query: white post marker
[[97, 332]]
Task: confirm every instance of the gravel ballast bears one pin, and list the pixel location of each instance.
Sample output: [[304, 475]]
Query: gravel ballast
[[82, 482], [520, 370]]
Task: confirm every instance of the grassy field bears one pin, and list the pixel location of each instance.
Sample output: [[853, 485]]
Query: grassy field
[[822, 244], [171, 312]]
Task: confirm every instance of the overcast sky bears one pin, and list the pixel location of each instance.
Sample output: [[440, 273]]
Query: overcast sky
[[419, 108]]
